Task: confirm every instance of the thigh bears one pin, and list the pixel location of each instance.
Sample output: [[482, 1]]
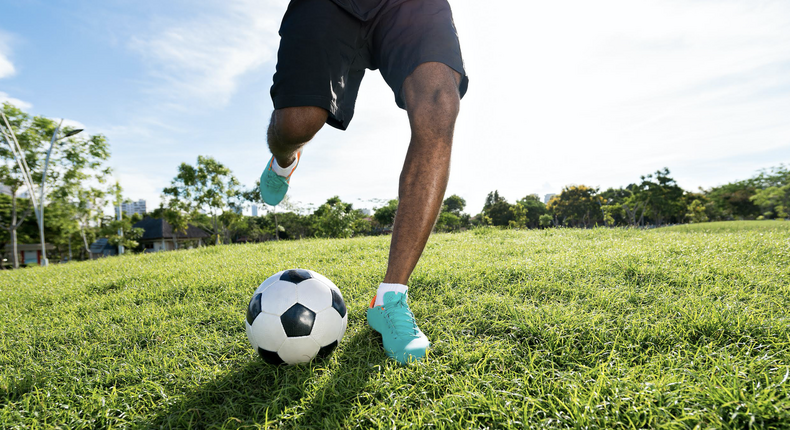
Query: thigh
[[316, 61], [414, 33]]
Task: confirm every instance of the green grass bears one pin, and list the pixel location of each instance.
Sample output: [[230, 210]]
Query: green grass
[[604, 328], [732, 226]]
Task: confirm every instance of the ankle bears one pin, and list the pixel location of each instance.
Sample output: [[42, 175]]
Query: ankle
[[386, 288], [286, 167]]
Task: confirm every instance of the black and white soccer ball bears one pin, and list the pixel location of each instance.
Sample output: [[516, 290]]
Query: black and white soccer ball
[[294, 316]]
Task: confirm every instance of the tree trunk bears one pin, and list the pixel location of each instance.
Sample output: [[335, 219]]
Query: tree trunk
[[85, 241], [12, 230], [216, 230]]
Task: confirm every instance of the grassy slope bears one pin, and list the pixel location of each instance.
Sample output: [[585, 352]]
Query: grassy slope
[[555, 328]]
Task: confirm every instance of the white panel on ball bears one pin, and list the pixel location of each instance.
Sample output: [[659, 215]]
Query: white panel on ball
[[324, 279], [278, 298], [343, 329], [270, 280], [267, 332], [298, 349], [314, 294], [326, 328]]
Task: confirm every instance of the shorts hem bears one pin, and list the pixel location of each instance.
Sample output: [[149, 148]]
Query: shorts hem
[[462, 86], [335, 118]]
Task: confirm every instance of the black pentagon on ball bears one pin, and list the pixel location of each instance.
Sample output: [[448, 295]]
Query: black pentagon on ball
[[297, 321], [338, 303], [270, 357], [254, 308], [295, 275], [326, 350]]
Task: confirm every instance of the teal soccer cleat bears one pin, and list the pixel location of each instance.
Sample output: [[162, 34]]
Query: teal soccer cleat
[[403, 340], [273, 186]]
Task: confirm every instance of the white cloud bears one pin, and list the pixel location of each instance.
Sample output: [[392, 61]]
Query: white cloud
[[6, 66], [203, 58], [21, 104]]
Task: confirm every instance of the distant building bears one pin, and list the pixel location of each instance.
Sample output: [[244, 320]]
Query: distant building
[[29, 253], [102, 248], [548, 197], [132, 208], [254, 210], [159, 235]]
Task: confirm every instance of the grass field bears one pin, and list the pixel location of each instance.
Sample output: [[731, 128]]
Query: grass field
[[683, 327]]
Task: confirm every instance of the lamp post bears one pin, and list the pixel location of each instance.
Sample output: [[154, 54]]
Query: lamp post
[[44, 261]]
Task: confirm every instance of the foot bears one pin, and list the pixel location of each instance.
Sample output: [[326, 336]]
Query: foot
[[403, 340], [273, 186]]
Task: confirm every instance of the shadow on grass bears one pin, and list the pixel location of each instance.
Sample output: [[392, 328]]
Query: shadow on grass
[[316, 395]]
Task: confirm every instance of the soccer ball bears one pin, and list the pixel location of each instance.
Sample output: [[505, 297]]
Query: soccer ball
[[294, 316]]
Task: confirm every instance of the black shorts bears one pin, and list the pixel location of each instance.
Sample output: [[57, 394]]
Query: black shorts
[[325, 50]]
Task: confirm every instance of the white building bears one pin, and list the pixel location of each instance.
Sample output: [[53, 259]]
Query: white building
[[254, 210], [547, 197], [132, 208]]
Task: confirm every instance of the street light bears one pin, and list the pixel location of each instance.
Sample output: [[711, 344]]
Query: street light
[[44, 261]]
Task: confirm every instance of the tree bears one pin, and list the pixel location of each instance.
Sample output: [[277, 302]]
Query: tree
[[447, 222], [496, 210], [75, 164], [30, 137], [576, 205], [615, 206], [385, 215], [128, 235], [545, 220], [335, 219], [661, 196], [534, 210], [454, 205], [451, 217], [208, 186], [774, 201], [518, 213], [696, 212], [611, 213]]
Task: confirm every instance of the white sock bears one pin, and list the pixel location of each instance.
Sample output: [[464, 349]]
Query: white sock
[[385, 288], [284, 171]]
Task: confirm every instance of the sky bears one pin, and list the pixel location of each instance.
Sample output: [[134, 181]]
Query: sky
[[561, 93]]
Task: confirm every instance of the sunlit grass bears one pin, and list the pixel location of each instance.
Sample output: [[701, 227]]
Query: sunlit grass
[[604, 328]]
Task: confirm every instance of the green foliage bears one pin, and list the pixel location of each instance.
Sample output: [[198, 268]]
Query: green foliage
[[661, 196], [545, 220], [497, 211], [559, 328], [385, 215], [337, 219], [576, 205], [209, 186], [774, 201], [76, 180], [454, 204], [696, 212]]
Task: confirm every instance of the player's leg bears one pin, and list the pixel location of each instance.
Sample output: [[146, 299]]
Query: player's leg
[[432, 102], [291, 128], [416, 47], [315, 83]]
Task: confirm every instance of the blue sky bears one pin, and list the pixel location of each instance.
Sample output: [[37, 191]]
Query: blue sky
[[571, 93]]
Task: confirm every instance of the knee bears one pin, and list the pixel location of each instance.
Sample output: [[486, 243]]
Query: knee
[[438, 104], [297, 125], [433, 96]]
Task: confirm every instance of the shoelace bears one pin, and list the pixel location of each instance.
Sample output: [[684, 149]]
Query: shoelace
[[274, 183], [402, 319]]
